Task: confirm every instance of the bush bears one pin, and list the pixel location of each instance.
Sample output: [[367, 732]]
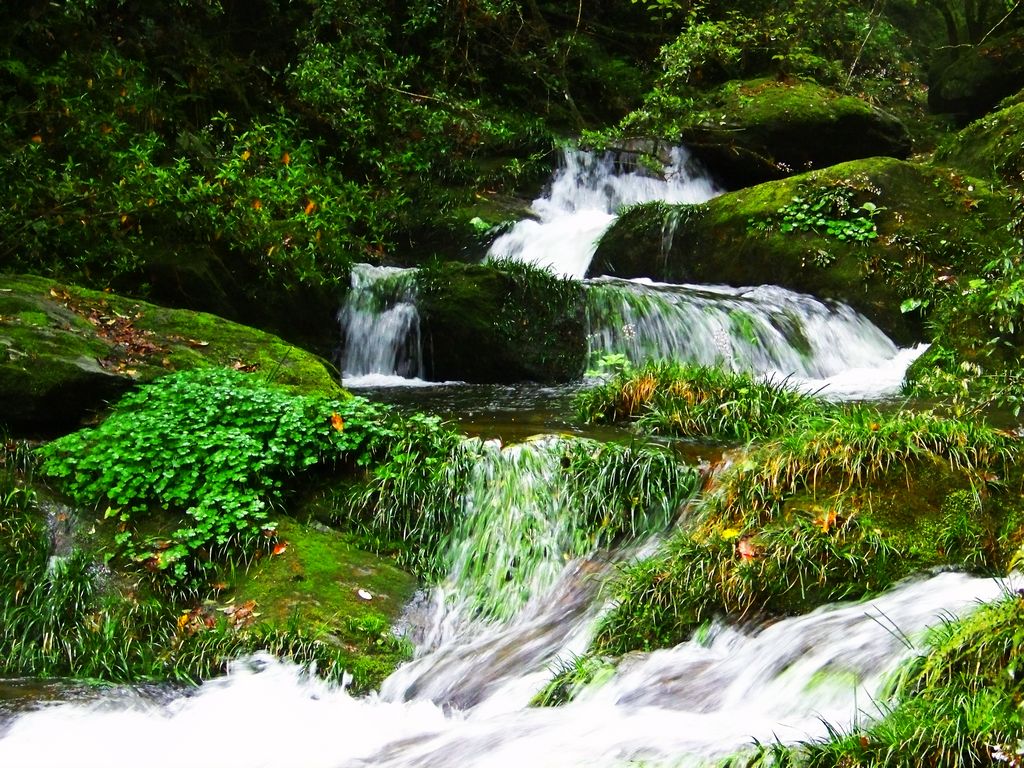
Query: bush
[[221, 446]]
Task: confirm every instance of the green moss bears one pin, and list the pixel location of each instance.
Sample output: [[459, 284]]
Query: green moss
[[501, 322], [65, 350], [751, 131], [316, 583], [737, 238], [991, 147], [33, 318]]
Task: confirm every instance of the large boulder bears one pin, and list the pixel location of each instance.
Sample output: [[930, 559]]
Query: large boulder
[[979, 77], [992, 146], [890, 230], [66, 350], [500, 323], [759, 130]]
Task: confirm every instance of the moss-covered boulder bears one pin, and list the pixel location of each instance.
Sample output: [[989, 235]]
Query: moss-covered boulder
[[992, 146], [870, 233], [319, 580], [502, 323], [978, 77], [752, 131], [65, 350]]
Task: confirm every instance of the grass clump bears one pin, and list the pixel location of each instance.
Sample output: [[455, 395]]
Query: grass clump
[[804, 560], [570, 677], [222, 448], [841, 507], [616, 489], [695, 401], [856, 445], [407, 502]]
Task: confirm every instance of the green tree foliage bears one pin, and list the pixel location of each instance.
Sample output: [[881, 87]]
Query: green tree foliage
[[287, 139]]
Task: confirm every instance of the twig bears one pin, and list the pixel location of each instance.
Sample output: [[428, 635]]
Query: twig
[[994, 28]]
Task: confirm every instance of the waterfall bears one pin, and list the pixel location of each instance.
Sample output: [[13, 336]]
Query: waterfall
[[522, 580], [688, 705], [582, 202], [764, 330], [380, 327]]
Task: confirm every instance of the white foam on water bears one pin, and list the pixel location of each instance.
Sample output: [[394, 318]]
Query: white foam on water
[[686, 705], [583, 200]]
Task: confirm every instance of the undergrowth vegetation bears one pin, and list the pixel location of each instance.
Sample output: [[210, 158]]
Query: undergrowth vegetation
[[825, 502], [66, 614], [695, 401], [222, 449]]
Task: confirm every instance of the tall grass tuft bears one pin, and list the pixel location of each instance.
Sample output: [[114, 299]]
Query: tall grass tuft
[[856, 445], [789, 523], [697, 401]]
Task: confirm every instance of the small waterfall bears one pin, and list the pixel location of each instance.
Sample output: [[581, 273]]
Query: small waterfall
[[764, 330], [689, 705], [380, 327], [582, 202], [521, 585]]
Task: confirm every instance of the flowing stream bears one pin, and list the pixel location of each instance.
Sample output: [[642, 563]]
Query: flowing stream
[[465, 701], [821, 346], [523, 592]]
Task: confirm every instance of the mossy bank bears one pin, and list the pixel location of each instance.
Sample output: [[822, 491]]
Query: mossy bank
[[66, 350]]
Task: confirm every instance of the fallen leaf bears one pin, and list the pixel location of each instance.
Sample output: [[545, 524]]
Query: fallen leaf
[[746, 549], [826, 520]]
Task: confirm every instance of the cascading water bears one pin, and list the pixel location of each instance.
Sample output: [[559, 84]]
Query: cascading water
[[584, 197], [523, 593], [767, 330], [684, 706], [380, 327], [764, 330], [521, 585]]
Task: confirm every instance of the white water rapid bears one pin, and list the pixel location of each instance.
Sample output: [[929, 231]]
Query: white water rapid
[[581, 203], [687, 705], [820, 347]]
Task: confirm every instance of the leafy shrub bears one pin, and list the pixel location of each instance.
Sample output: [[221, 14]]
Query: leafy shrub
[[831, 212], [978, 329], [221, 446]]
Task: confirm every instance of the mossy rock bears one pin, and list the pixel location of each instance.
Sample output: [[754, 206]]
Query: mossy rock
[[487, 323], [759, 130], [979, 77], [320, 581], [66, 350], [992, 146], [931, 223]]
